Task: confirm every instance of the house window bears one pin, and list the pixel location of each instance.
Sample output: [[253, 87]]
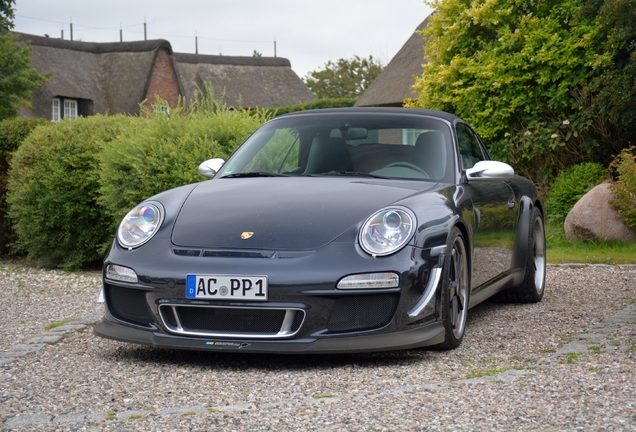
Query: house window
[[70, 109], [63, 108], [165, 110], [55, 116]]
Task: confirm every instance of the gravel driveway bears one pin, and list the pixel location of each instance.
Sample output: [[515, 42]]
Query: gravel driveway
[[566, 363]]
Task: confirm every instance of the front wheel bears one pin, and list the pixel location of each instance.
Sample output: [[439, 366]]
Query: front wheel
[[455, 291]]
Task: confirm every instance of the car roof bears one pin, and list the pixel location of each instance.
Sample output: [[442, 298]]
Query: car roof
[[375, 110]]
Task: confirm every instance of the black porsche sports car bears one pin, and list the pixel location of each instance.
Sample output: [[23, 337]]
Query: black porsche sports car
[[336, 230]]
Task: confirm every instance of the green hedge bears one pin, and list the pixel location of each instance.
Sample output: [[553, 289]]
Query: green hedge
[[53, 190], [165, 153], [12, 133], [71, 182]]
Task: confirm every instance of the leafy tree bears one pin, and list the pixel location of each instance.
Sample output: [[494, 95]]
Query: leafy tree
[[527, 74], [17, 76], [343, 79], [6, 15], [615, 89]]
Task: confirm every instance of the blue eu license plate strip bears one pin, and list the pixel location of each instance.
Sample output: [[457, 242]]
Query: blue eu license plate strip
[[226, 287]]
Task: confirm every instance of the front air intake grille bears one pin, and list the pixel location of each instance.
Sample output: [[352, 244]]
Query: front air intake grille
[[231, 320], [219, 321], [365, 312], [128, 305]]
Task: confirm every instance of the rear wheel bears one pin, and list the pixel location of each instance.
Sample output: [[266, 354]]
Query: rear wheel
[[533, 285], [455, 291]]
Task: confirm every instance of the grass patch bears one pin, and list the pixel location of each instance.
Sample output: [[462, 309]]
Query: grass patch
[[111, 415], [135, 416], [561, 251], [322, 396], [189, 413], [58, 324], [631, 349], [571, 358], [611, 253], [594, 348], [489, 372]]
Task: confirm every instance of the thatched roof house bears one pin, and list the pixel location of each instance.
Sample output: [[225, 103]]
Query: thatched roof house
[[91, 78], [251, 81], [395, 83]]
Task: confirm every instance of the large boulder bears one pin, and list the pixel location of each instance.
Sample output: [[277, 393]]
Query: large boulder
[[594, 218]]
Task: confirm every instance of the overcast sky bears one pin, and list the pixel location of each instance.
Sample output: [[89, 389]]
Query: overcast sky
[[307, 32]]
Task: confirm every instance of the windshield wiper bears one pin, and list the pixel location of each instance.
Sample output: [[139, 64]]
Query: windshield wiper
[[351, 173], [254, 174]]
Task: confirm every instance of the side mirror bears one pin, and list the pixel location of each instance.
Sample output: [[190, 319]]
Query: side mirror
[[210, 167], [489, 170]]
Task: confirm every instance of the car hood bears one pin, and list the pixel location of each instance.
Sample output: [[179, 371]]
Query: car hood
[[282, 213]]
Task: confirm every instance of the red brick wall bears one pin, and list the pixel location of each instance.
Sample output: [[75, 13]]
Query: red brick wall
[[163, 81]]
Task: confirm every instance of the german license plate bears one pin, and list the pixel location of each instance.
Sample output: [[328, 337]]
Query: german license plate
[[224, 287]]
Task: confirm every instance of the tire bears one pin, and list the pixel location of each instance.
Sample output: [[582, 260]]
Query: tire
[[533, 286], [455, 291]]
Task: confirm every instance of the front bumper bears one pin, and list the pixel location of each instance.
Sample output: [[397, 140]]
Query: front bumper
[[430, 334], [318, 316]]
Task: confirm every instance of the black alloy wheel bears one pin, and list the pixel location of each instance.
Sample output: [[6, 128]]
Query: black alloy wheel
[[455, 291]]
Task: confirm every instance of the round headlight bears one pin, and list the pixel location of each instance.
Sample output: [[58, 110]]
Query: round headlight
[[140, 224], [387, 231]]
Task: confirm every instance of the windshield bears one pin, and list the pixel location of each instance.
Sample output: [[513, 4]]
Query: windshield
[[362, 144]]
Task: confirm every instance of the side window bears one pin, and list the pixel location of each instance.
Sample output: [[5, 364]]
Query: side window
[[469, 147]]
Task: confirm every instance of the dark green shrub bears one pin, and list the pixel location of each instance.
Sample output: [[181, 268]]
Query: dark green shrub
[[164, 153], [570, 185], [315, 104], [53, 189], [12, 133], [624, 187]]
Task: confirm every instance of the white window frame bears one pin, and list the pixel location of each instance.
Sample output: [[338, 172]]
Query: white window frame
[[70, 109], [55, 110]]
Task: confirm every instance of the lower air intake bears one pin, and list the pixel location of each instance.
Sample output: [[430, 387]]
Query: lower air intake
[[128, 305], [217, 321], [366, 312]]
